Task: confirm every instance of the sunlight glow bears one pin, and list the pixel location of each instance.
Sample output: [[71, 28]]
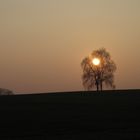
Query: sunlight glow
[[96, 61]]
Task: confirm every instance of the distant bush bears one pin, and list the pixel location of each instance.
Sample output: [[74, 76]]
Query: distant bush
[[6, 92]]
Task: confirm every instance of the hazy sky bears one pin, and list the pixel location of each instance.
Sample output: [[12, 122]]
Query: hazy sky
[[42, 42]]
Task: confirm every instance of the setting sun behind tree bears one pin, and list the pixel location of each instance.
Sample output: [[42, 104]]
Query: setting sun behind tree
[[98, 70], [96, 61]]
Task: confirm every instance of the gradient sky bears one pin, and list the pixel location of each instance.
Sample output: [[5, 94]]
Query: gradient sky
[[42, 42]]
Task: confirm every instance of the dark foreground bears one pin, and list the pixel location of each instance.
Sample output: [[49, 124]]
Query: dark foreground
[[112, 115]]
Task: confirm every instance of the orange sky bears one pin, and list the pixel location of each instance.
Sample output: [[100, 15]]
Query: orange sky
[[42, 42]]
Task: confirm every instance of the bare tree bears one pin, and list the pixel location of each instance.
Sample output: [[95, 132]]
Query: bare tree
[[4, 91], [98, 70]]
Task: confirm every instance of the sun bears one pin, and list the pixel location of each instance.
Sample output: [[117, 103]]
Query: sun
[[96, 61]]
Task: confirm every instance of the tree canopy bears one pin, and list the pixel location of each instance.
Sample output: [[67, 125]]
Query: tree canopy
[[98, 70]]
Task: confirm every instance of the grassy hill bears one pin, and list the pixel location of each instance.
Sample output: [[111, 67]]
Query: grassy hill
[[72, 115]]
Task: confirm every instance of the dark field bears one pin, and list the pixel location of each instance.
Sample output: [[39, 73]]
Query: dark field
[[112, 115]]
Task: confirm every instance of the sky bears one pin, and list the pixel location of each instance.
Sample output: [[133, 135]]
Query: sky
[[42, 42]]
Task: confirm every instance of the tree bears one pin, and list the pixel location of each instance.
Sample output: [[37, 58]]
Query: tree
[[98, 70], [4, 91]]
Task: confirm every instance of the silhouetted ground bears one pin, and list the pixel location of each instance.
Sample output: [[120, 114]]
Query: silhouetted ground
[[112, 115]]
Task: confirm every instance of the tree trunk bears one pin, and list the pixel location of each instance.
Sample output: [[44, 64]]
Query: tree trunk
[[97, 86], [101, 85]]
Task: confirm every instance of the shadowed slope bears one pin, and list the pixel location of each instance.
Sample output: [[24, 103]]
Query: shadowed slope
[[71, 115]]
